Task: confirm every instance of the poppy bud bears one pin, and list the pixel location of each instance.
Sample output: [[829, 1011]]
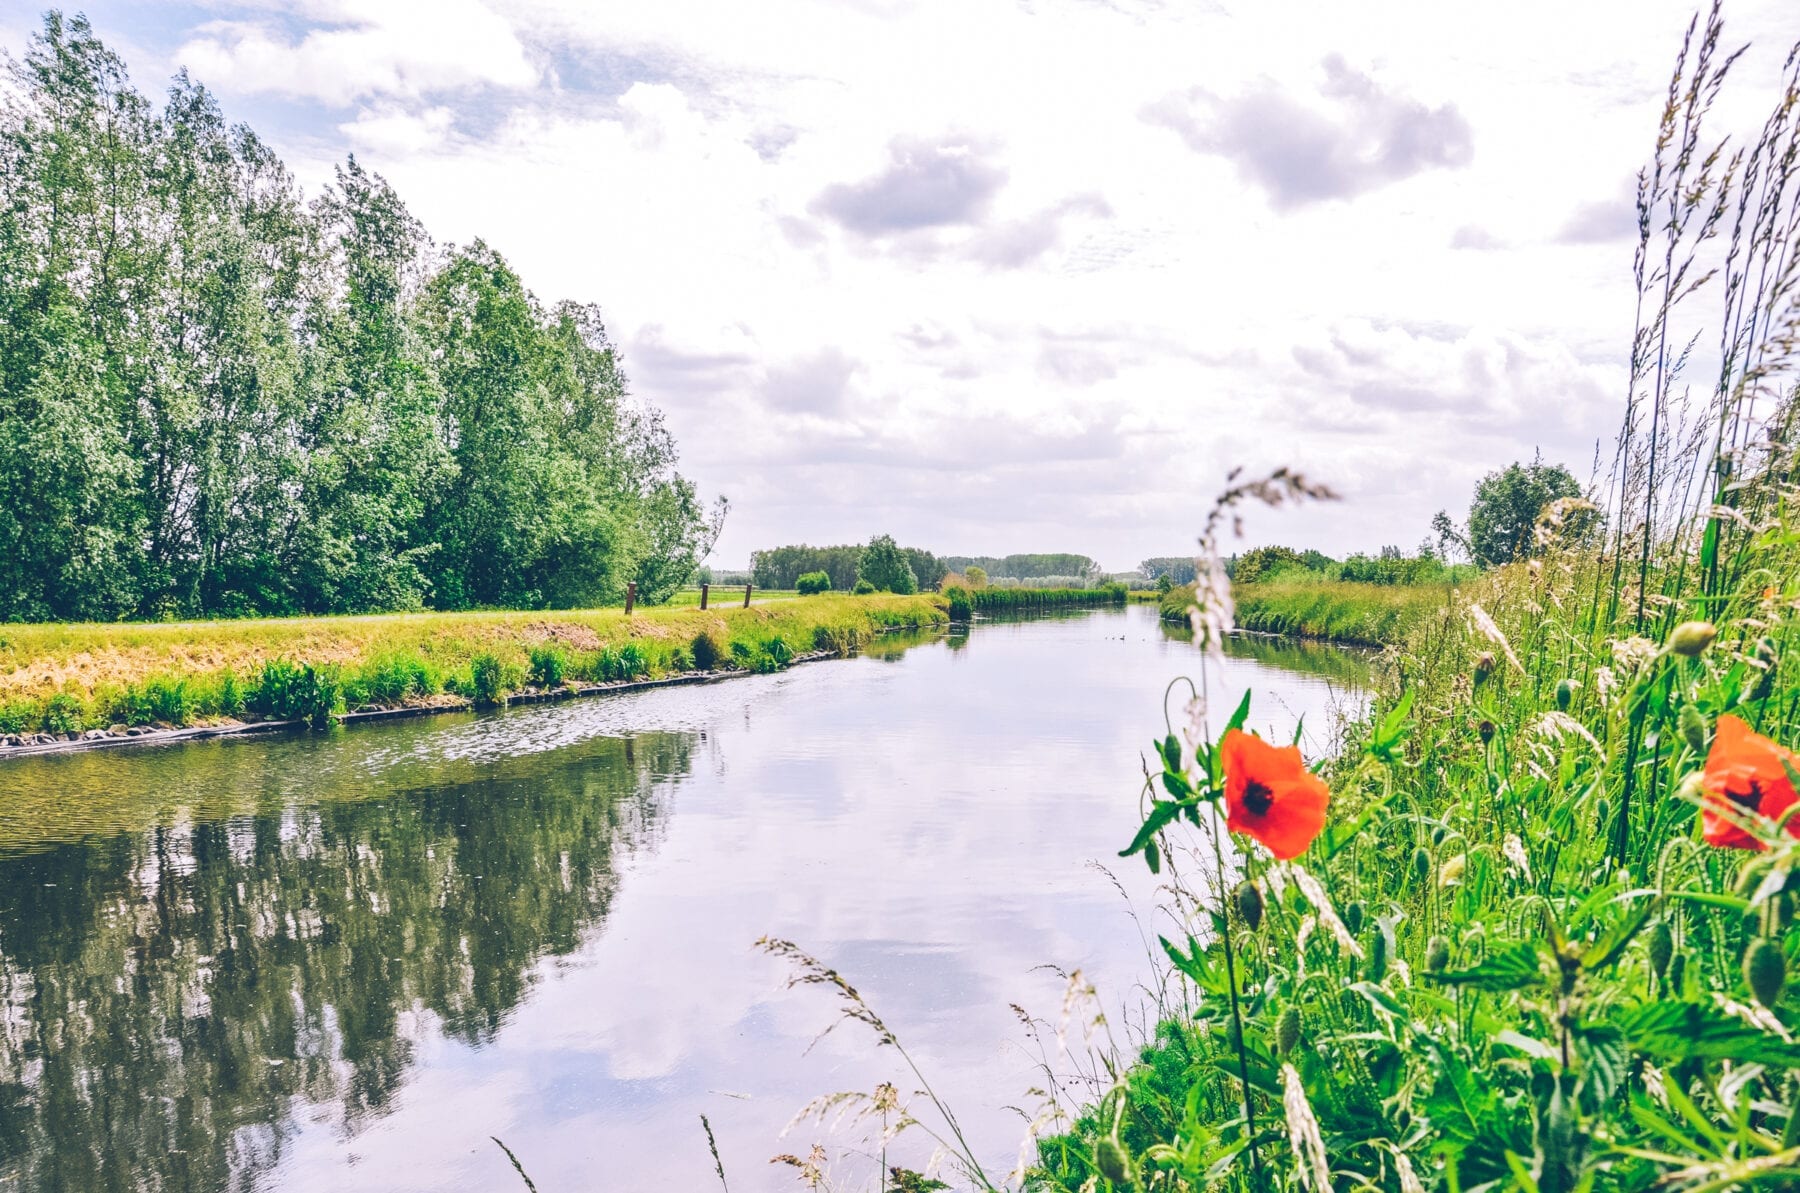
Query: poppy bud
[[1378, 956], [1602, 811], [1486, 730], [1693, 728], [1353, 918], [1250, 904], [1662, 948], [1111, 1160], [1287, 1030], [1484, 665], [1690, 638], [1437, 955], [1437, 835], [1677, 971], [1721, 467], [1565, 694], [1421, 862], [1765, 969]]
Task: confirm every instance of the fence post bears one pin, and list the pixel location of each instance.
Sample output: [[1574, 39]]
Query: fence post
[[704, 588], [630, 596], [747, 596]]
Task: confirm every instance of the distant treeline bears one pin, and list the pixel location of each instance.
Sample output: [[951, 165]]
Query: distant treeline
[[1178, 568], [782, 567], [1025, 567], [219, 398]]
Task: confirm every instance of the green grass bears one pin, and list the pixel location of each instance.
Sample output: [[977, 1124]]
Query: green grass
[[63, 678], [1336, 610]]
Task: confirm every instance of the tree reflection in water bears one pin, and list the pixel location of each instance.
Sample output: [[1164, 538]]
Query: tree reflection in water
[[177, 998]]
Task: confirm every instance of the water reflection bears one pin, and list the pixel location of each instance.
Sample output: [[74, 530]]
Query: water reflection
[[175, 995], [340, 963]]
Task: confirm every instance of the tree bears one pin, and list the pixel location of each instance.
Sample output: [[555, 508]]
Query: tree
[[1263, 563], [1506, 507], [975, 575], [884, 566], [1178, 568]]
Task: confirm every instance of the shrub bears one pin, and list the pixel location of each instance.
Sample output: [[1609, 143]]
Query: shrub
[[632, 662], [813, 583], [486, 686], [961, 608], [64, 713], [710, 647], [976, 576], [863, 588], [279, 691], [549, 665], [17, 716]]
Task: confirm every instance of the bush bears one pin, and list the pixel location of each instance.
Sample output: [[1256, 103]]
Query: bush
[[813, 583], [486, 687], [863, 588], [64, 713], [710, 647], [961, 608], [549, 665], [976, 576]]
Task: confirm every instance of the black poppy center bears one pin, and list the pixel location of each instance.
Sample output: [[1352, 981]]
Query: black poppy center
[[1751, 799], [1258, 798]]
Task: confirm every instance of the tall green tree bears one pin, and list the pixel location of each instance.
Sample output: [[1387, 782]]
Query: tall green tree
[[885, 566], [1506, 508]]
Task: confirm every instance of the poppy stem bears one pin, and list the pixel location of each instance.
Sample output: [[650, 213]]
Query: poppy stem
[[1237, 1014]]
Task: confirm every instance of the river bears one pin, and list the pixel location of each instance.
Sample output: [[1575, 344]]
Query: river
[[342, 962]]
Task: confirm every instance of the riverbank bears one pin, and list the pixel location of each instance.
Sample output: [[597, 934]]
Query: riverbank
[[94, 681], [1334, 611]]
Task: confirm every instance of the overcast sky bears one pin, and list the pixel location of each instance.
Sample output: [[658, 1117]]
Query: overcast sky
[[1022, 276]]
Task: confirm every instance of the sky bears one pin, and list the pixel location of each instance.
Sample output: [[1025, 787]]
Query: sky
[[1023, 276]]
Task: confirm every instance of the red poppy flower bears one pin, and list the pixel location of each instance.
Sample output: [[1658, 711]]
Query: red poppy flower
[[1747, 771], [1270, 795]]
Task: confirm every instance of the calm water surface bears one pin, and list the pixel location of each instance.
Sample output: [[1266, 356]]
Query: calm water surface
[[342, 962]]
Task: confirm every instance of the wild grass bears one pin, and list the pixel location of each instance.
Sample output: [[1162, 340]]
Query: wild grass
[[68, 678], [964, 601], [1313, 607]]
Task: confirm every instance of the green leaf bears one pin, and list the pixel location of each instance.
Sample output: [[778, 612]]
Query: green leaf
[[1513, 969], [1677, 1031], [1161, 813], [1611, 945], [1241, 715]]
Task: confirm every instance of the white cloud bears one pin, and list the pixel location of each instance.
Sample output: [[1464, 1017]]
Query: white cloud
[[924, 268], [403, 48]]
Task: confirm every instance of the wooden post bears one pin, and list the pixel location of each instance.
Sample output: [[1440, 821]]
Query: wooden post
[[746, 596], [630, 596], [704, 588]]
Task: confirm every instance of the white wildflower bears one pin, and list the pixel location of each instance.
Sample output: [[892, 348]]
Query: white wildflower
[[1604, 682], [1315, 894], [1514, 849], [1212, 612], [1193, 731], [1481, 621], [1451, 872], [1303, 1132], [1756, 1015], [1409, 1178], [1554, 724], [1631, 653]]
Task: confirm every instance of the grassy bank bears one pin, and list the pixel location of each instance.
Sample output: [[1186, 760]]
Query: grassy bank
[[1337, 610], [69, 678], [965, 601]]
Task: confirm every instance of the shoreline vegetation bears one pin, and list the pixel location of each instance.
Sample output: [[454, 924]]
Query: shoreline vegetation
[[110, 680], [1340, 611]]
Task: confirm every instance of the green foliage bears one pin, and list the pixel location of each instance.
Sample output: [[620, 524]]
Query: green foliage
[[813, 583], [962, 607], [884, 567], [710, 648], [976, 575], [1026, 599], [863, 588], [1254, 565], [486, 682], [549, 665], [1506, 508], [1027, 567], [218, 399], [1178, 568], [1164, 583]]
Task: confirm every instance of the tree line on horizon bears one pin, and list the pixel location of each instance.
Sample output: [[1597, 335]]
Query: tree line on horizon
[[218, 398]]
